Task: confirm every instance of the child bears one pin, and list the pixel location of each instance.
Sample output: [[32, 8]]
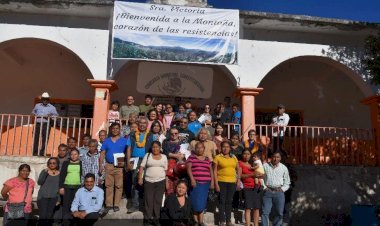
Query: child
[[259, 169], [188, 107], [113, 113]]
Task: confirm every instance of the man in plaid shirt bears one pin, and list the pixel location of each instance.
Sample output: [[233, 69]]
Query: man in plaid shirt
[[90, 162]]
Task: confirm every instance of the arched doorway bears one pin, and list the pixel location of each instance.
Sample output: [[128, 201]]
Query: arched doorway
[[31, 66], [321, 91], [222, 84]]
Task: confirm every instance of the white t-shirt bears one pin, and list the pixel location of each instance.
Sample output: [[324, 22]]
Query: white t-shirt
[[280, 120], [155, 170]]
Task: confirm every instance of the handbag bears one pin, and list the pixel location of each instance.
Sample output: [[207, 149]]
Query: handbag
[[16, 210], [172, 163]]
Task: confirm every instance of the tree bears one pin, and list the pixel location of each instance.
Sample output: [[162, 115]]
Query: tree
[[371, 60]]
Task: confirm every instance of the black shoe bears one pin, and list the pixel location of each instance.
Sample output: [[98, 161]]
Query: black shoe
[[107, 209], [116, 209], [131, 210]]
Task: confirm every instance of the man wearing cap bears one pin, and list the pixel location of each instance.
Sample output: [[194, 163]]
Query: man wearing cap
[[42, 111], [280, 121]]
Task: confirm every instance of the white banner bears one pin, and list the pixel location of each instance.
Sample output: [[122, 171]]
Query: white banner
[[174, 80], [175, 33]]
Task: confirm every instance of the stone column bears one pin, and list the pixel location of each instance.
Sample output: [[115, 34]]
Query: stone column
[[102, 99], [247, 96], [374, 104]]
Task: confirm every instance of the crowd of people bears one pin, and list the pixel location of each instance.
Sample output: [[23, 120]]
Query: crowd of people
[[166, 161]]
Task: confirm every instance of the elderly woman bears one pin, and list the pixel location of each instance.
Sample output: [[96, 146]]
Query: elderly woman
[[153, 166], [48, 197], [18, 193]]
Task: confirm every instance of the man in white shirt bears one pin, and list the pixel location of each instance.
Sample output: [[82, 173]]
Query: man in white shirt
[[280, 121]]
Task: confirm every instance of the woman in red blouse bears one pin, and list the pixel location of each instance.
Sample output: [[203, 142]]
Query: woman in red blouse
[[252, 195]]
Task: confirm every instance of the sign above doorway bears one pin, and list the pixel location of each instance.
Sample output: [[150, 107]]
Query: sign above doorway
[[175, 33], [164, 79]]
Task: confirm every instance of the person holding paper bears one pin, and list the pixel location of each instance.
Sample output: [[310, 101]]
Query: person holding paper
[[205, 116], [172, 149], [114, 145], [138, 144]]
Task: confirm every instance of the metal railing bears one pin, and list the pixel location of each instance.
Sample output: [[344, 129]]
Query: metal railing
[[319, 145], [27, 135]]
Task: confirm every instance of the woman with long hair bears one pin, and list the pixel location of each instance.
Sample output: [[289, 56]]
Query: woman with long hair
[[48, 197], [218, 137], [153, 166], [226, 170], [157, 132], [252, 194]]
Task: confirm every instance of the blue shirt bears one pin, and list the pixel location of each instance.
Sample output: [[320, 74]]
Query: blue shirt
[[237, 115], [41, 110], [88, 201], [194, 127], [110, 147], [137, 152]]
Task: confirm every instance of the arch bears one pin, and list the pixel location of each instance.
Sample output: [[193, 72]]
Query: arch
[[32, 66], [47, 41], [90, 45], [355, 77], [319, 91]]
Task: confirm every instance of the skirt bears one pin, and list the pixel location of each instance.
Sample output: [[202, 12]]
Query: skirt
[[198, 196]]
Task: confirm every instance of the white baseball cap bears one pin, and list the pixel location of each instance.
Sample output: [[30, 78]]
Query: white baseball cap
[[45, 95]]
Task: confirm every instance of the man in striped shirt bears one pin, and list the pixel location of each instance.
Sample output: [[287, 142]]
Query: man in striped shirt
[[276, 182]]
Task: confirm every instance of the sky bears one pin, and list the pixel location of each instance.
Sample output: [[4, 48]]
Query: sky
[[358, 10]]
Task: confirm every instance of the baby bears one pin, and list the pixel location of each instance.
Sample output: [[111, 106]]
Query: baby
[[257, 166]]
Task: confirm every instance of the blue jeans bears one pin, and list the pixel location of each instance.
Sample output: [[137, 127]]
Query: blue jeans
[[277, 200]]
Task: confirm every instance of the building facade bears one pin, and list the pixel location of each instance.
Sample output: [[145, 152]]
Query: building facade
[[311, 65]]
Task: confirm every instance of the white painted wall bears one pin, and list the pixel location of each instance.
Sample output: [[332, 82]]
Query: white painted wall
[[258, 58], [90, 45], [126, 79]]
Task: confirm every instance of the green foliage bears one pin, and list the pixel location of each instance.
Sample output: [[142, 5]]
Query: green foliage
[[372, 59]]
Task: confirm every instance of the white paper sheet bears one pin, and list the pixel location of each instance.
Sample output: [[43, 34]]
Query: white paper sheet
[[116, 156]]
